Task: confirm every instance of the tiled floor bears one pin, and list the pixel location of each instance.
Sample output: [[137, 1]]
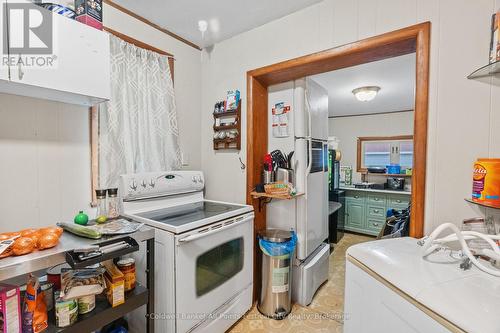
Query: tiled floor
[[324, 314]]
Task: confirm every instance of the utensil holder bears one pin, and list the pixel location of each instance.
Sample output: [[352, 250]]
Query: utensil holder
[[267, 177], [285, 176]]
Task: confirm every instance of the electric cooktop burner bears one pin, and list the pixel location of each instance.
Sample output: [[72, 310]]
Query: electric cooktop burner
[[184, 214]]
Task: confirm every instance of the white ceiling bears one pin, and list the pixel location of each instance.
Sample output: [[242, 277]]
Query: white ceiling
[[226, 18], [394, 76]]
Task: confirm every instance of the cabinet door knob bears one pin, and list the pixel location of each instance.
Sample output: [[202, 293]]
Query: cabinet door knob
[[375, 224], [377, 199], [356, 197], [376, 211], [398, 200]]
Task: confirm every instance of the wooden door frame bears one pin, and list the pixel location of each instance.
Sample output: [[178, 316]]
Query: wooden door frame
[[415, 38]]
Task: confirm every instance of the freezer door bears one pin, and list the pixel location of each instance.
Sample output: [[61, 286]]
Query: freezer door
[[301, 125], [317, 106]]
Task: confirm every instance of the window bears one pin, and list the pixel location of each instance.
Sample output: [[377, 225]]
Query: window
[[218, 265], [382, 151]]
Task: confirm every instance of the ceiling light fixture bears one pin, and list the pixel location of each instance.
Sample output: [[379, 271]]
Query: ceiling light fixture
[[366, 94]]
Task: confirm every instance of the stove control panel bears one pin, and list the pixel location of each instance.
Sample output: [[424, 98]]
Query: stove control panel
[[159, 184]]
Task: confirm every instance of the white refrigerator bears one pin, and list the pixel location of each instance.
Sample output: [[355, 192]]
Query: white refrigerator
[[307, 136]]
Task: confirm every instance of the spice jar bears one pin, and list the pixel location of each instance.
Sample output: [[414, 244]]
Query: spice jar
[[101, 215], [127, 267], [113, 203]]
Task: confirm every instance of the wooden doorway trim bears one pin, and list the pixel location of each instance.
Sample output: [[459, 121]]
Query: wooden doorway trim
[[400, 42]]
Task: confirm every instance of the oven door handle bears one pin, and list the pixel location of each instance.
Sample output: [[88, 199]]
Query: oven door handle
[[237, 221]]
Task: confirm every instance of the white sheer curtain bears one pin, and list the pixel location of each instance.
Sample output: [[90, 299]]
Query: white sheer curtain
[[138, 126]]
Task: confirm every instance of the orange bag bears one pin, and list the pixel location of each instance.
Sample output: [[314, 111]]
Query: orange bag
[[34, 307]]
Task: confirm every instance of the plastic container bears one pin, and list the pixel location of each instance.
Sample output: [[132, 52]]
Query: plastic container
[[486, 181], [277, 248], [393, 169]]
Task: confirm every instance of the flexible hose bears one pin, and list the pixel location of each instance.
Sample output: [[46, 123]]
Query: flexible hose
[[432, 243]]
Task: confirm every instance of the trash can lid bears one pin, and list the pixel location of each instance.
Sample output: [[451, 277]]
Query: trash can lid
[[276, 235]]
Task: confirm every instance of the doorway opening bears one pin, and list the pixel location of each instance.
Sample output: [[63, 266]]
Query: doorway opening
[[414, 39]]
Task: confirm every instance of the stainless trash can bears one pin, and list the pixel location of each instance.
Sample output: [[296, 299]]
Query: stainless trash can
[[277, 247]]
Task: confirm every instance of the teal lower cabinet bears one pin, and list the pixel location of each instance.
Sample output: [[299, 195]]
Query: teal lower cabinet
[[355, 215], [365, 212]]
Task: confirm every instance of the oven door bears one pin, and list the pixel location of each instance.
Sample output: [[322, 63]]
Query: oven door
[[212, 265]]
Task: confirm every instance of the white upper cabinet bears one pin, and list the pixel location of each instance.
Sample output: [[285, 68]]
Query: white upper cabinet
[[4, 69], [65, 61]]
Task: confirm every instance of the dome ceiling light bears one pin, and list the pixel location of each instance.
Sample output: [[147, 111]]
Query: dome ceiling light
[[366, 94]]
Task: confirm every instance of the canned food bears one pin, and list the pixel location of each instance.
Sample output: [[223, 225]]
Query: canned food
[[48, 293], [86, 304], [54, 275], [66, 311], [127, 267]]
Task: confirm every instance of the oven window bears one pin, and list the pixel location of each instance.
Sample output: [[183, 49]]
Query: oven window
[[218, 265]]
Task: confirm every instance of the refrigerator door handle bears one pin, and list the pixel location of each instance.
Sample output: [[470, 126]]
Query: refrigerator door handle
[[309, 115]]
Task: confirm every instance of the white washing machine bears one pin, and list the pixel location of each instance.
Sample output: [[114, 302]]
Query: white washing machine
[[391, 288]]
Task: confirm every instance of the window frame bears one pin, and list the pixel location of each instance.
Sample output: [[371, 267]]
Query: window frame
[[363, 139]]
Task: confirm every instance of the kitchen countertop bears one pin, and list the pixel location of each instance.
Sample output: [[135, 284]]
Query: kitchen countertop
[[352, 188], [13, 266], [333, 207]]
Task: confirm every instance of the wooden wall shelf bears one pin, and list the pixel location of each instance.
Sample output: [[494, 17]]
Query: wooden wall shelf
[[228, 143], [227, 113], [258, 195]]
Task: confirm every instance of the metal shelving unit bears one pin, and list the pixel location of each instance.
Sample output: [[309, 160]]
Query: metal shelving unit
[[103, 313], [13, 267]]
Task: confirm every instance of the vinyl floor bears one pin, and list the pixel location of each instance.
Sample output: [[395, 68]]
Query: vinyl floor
[[324, 314]]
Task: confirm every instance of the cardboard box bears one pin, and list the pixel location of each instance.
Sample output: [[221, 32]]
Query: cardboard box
[[115, 284], [89, 12], [10, 309]]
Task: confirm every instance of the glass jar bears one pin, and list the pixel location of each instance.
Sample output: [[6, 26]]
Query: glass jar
[[101, 215], [113, 203], [127, 267]]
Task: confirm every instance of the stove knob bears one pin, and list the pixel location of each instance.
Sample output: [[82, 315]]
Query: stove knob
[[193, 179], [133, 185], [152, 183], [143, 183]]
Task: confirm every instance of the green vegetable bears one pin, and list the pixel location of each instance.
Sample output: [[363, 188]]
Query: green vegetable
[[80, 230], [81, 218]]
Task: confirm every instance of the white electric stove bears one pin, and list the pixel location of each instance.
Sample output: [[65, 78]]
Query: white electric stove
[[203, 251]]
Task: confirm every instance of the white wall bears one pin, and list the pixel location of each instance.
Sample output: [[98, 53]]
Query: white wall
[[464, 119], [45, 149], [348, 129]]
